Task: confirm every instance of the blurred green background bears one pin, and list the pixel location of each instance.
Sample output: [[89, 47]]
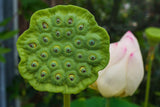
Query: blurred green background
[[117, 17]]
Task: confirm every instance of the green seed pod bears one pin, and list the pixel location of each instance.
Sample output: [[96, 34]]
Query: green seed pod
[[153, 35], [63, 50]]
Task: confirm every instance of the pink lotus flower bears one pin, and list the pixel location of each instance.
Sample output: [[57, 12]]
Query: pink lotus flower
[[125, 70]]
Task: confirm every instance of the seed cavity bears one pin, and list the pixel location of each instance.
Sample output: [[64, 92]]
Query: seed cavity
[[70, 21], [81, 27], [32, 45], [58, 21], [45, 39], [43, 55], [78, 42], [53, 64], [79, 56], [58, 76], [34, 64], [45, 25], [56, 49], [92, 57], [71, 77], [83, 69], [43, 73], [57, 33], [69, 33], [68, 50], [91, 42], [68, 64]]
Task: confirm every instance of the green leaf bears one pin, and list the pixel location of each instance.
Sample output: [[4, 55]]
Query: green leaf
[[117, 102], [2, 59], [101, 102], [5, 21], [78, 103], [8, 35], [95, 102], [4, 50], [92, 102]]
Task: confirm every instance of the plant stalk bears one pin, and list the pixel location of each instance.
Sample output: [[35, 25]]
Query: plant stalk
[[107, 102], [66, 100], [148, 69]]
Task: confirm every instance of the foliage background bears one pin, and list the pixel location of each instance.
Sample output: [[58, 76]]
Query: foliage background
[[117, 17]]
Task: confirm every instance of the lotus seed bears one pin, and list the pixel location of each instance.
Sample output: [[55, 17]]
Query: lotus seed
[[58, 76], [68, 64], [70, 21], [58, 20], [32, 45], [82, 69], [71, 77], [92, 57], [57, 33], [79, 56], [91, 42], [81, 27], [45, 39], [78, 42], [68, 49], [43, 55], [45, 25], [56, 49], [53, 64], [43, 73], [34, 64], [68, 33]]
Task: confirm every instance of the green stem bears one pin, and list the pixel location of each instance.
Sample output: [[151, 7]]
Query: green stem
[[66, 100], [148, 69], [107, 102]]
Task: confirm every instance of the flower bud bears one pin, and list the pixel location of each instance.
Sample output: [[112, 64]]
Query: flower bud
[[125, 71]]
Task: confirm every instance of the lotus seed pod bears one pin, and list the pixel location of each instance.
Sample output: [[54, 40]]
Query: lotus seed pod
[[63, 50], [153, 34]]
